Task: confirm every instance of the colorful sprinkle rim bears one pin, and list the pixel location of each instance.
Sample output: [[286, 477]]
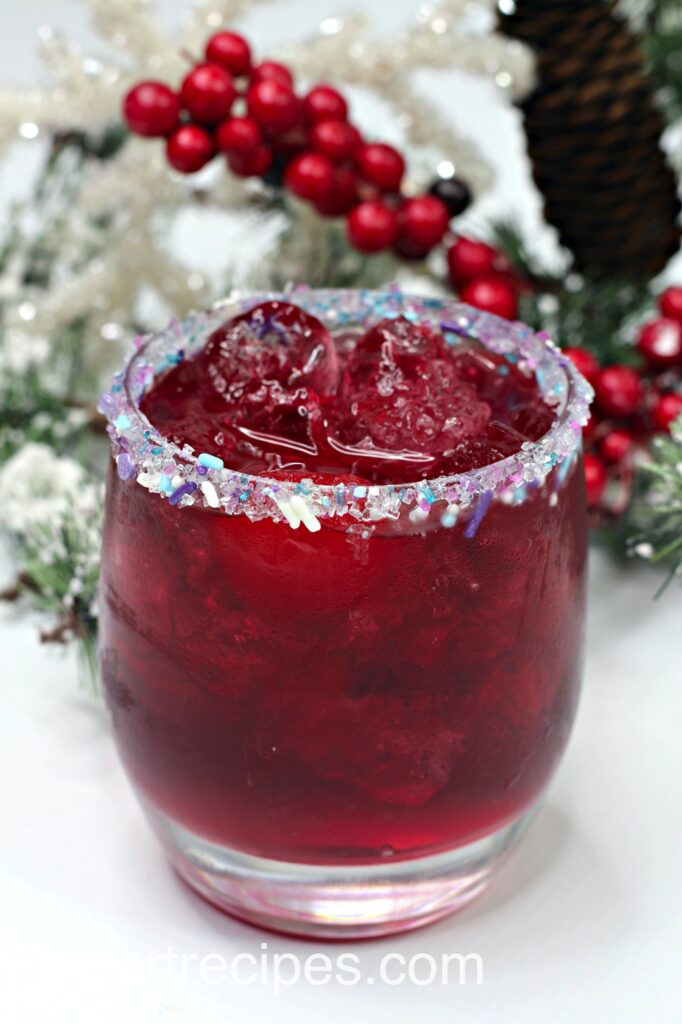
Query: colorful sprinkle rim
[[185, 477]]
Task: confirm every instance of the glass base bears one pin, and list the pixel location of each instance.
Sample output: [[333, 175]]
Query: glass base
[[334, 902]]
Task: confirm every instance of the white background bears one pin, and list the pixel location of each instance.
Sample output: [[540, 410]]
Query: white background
[[583, 924]]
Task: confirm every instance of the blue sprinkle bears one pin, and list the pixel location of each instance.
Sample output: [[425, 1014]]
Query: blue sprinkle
[[448, 519], [477, 518], [359, 492], [211, 461], [563, 469], [157, 450], [187, 488], [428, 494], [165, 484], [122, 422]]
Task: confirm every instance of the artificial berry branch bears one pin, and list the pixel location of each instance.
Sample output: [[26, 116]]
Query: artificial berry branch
[[625, 337], [251, 115]]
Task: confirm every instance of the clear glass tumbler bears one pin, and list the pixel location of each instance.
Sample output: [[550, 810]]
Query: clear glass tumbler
[[338, 704]]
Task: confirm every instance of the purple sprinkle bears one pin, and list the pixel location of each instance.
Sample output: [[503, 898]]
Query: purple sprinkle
[[125, 467], [187, 488], [482, 507], [202, 470], [107, 405], [450, 325]]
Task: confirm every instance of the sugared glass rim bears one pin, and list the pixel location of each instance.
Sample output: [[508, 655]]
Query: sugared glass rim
[[185, 477]]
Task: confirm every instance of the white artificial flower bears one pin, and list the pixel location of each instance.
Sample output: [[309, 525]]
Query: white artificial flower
[[38, 487], [21, 350]]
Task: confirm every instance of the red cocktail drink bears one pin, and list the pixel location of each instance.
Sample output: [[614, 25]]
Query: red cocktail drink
[[343, 599]]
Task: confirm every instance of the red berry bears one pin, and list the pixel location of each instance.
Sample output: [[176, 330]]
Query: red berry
[[660, 342], [271, 71], [493, 295], [238, 135], [342, 195], [618, 390], [273, 104], [230, 51], [208, 93], [252, 164], [408, 250], [189, 148], [616, 445], [584, 362], [424, 220], [323, 103], [381, 165], [372, 227], [151, 109], [469, 259], [595, 479], [336, 139], [309, 176], [670, 303], [667, 409]]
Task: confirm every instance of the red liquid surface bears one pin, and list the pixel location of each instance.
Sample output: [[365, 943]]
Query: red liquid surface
[[324, 697]]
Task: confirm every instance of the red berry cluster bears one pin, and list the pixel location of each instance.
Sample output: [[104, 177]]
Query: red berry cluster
[[484, 277], [252, 114], [631, 404]]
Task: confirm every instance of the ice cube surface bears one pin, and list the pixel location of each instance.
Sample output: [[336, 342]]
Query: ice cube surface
[[274, 390]]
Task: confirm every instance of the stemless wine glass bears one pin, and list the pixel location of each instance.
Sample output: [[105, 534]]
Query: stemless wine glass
[[338, 703]]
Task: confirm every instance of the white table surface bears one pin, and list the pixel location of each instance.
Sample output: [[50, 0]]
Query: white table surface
[[584, 923]]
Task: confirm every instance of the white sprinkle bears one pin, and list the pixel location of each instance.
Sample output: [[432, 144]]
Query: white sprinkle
[[310, 521], [553, 499], [148, 479], [418, 515], [177, 481], [287, 511], [210, 494]]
